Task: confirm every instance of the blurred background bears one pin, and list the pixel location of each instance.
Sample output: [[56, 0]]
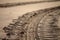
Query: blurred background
[[7, 14]]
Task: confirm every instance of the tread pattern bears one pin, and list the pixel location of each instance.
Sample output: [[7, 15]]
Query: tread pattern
[[36, 25]]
